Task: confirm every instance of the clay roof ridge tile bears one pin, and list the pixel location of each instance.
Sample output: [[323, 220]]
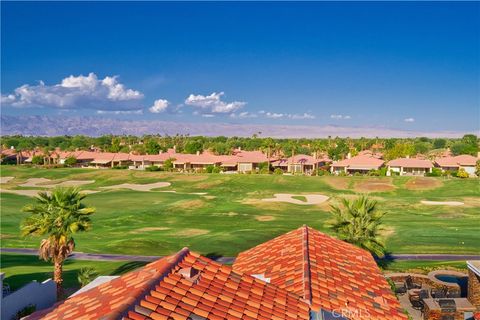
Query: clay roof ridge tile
[[307, 285]]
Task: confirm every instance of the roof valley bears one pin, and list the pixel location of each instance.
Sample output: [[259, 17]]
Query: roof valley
[[307, 286]]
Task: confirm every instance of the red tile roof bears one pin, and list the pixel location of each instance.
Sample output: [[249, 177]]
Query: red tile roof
[[360, 162], [410, 163], [460, 160], [332, 274], [165, 290]]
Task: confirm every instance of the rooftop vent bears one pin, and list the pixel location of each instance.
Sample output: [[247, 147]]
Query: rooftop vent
[[190, 274]]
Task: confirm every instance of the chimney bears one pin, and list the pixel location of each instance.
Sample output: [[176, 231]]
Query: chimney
[[408, 156], [239, 148], [174, 149], [190, 274], [198, 153], [349, 155], [160, 152]]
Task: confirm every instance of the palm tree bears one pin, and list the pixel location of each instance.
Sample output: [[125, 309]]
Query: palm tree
[[58, 217], [359, 222], [86, 275]]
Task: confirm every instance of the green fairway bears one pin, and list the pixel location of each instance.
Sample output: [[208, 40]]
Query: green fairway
[[231, 216], [20, 269]]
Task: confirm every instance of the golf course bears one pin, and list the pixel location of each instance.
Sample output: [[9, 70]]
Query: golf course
[[157, 213]]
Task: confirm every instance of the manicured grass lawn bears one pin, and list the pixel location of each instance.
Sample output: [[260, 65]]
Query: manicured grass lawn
[[229, 218], [20, 269], [424, 266]]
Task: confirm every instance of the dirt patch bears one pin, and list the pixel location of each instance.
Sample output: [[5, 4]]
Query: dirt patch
[[442, 203], [6, 179], [47, 183], [423, 183], [451, 215], [34, 193], [6, 236], [472, 201], [209, 197], [341, 183], [190, 204], [374, 185], [387, 232], [148, 229], [188, 178], [264, 218], [210, 184], [139, 187], [191, 232], [287, 197]]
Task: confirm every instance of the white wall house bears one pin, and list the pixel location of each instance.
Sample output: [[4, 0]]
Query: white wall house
[[40, 294], [409, 166]]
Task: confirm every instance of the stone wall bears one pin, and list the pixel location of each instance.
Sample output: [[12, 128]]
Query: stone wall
[[474, 288]]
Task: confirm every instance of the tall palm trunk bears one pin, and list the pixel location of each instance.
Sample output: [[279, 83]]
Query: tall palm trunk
[[57, 277]]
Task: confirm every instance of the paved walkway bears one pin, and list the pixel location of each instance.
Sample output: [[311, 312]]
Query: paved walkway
[[230, 260]]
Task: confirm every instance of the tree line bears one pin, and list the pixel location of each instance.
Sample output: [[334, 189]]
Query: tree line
[[335, 147]]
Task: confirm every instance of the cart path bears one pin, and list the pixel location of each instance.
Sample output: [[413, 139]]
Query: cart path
[[230, 260]]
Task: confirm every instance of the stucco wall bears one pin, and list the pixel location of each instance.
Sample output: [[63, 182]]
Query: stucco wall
[[42, 295]]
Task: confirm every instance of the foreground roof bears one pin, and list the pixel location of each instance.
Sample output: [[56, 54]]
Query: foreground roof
[[182, 286], [329, 273]]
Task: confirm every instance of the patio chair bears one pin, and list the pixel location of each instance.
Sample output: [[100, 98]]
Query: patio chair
[[417, 303], [423, 294], [411, 284], [400, 288]]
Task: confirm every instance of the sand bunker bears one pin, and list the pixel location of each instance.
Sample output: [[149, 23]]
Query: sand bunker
[[42, 182], [139, 187], [6, 179], [149, 229], [442, 203], [191, 232], [34, 193], [264, 218], [422, 183], [383, 185], [287, 197]]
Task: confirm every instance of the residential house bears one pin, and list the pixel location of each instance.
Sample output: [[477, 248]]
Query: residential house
[[464, 161], [301, 163], [249, 161], [362, 164], [409, 166], [303, 274]]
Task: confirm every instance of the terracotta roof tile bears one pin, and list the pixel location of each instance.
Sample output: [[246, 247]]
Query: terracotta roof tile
[[328, 272]]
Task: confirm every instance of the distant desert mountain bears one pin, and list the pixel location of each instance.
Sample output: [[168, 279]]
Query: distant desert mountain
[[96, 126]]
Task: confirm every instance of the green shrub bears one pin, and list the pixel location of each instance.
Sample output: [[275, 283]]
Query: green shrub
[[357, 174], [382, 171], [86, 275], [323, 172], [152, 168], [394, 173], [216, 170], [342, 174], [209, 168], [120, 167], [37, 160], [168, 164], [264, 170], [436, 172], [70, 161], [374, 173], [462, 173], [278, 171]]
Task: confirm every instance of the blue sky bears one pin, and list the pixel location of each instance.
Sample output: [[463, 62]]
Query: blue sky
[[409, 66]]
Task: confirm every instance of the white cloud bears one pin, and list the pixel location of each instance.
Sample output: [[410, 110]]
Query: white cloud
[[301, 116], [243, 115], [273, 115], [160, 105], [213, 103], [77, 92], [139, 111], [409, 120], [208, 115], [340, 117]]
